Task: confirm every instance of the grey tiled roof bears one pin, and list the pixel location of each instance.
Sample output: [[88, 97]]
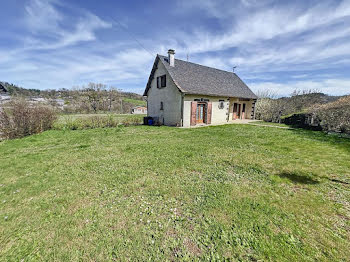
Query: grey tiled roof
[[202, 80]]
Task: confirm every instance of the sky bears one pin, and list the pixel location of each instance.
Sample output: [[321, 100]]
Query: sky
[[278, 46]]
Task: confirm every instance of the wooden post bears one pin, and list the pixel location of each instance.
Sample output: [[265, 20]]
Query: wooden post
[[193, 113], [209, 113]]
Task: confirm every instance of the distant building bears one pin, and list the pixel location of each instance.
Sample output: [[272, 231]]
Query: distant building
[[3, 89], [139, 110]]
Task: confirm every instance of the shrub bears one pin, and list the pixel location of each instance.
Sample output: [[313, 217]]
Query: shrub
[[334, 116], [86, 122], [132, 120], [19, 119]]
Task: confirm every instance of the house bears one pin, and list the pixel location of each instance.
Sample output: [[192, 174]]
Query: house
[[137, 110], [3, 89], [181, 93]]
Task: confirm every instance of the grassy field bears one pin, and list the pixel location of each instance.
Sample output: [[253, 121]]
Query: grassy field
[[135, 101], [237, 192]]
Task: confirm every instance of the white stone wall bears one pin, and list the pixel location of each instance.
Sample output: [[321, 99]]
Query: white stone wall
[[169, 95], [249, 107], [219, 116]]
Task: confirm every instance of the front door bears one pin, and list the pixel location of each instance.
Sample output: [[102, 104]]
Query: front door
[[239, 111], [235, 107], [200, 113]]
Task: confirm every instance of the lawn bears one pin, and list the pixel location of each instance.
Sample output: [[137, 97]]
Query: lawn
[[237, 192]]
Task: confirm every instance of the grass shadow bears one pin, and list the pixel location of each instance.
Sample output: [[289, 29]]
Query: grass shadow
[[299, 178]]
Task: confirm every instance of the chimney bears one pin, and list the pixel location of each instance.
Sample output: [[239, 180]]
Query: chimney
[[171, 57]]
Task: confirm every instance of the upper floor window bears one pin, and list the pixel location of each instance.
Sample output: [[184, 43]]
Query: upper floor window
[[161, 106], [161, 81]]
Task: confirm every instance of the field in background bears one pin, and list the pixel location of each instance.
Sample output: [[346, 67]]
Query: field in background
[[135, 101], [159, 193]]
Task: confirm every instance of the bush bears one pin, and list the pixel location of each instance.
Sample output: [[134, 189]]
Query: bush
[[96, 121], [334, 116], [132, 120], [86, 122], [19, 119]]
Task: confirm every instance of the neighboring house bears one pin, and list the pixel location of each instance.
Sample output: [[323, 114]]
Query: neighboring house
[[139, 110], [3, 89], [4, 96], [181, 93]]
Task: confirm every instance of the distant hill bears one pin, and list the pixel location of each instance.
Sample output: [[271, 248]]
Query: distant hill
[[14, 90], [271, 110], [298, 103], [80, 99]]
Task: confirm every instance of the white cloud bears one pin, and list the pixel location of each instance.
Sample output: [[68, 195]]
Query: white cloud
[[42, 16], [46, 24]]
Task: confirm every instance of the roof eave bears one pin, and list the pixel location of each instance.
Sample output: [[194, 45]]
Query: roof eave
[[217, 95]]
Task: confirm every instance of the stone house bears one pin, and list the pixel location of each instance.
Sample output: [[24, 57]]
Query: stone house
[[181, 93]]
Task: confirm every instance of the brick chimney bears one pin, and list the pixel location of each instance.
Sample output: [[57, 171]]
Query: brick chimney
[[171, 57]]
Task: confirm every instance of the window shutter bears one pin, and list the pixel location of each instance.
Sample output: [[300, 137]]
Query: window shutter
[[209, 112], [158, 82], [193, 113]]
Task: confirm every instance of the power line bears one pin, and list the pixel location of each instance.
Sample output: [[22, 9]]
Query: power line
[[131, 35]]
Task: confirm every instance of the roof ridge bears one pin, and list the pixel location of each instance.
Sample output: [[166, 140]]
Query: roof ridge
[[201, 65]]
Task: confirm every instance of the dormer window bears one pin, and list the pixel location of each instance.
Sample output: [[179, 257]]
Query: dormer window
[[161, 81]]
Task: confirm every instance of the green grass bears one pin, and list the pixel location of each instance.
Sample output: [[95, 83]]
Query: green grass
[[119, 117], [269, 124], [135, 101], [237, 192]]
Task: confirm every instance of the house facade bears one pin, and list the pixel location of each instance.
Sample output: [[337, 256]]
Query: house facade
[[181, 93]]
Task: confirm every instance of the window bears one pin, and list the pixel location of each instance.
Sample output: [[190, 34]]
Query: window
[[161, 106], [221, 104], [161, 81]]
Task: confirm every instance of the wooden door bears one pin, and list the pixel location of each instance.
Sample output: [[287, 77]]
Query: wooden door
[[234, 115], [239, 111], [243, 111], [200, 113]]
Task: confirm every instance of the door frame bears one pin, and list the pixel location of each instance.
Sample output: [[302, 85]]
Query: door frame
[[204, 105]]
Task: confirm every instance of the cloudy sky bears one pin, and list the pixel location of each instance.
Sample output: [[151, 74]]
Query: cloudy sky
[[276, 45]]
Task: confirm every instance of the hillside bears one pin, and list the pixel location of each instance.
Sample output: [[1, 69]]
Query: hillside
[[19, 91], [247, 193], [91, 98]]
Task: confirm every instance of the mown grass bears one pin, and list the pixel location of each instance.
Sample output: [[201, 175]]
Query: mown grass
[[269, 124], [235, 192]]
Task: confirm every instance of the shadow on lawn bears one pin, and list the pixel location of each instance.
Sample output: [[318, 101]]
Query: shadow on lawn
[[299, 178]]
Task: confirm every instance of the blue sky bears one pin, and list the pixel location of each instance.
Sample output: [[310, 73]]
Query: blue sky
[[276, 45]]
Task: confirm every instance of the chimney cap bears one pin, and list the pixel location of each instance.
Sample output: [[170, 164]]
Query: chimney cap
[[171, 51]]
